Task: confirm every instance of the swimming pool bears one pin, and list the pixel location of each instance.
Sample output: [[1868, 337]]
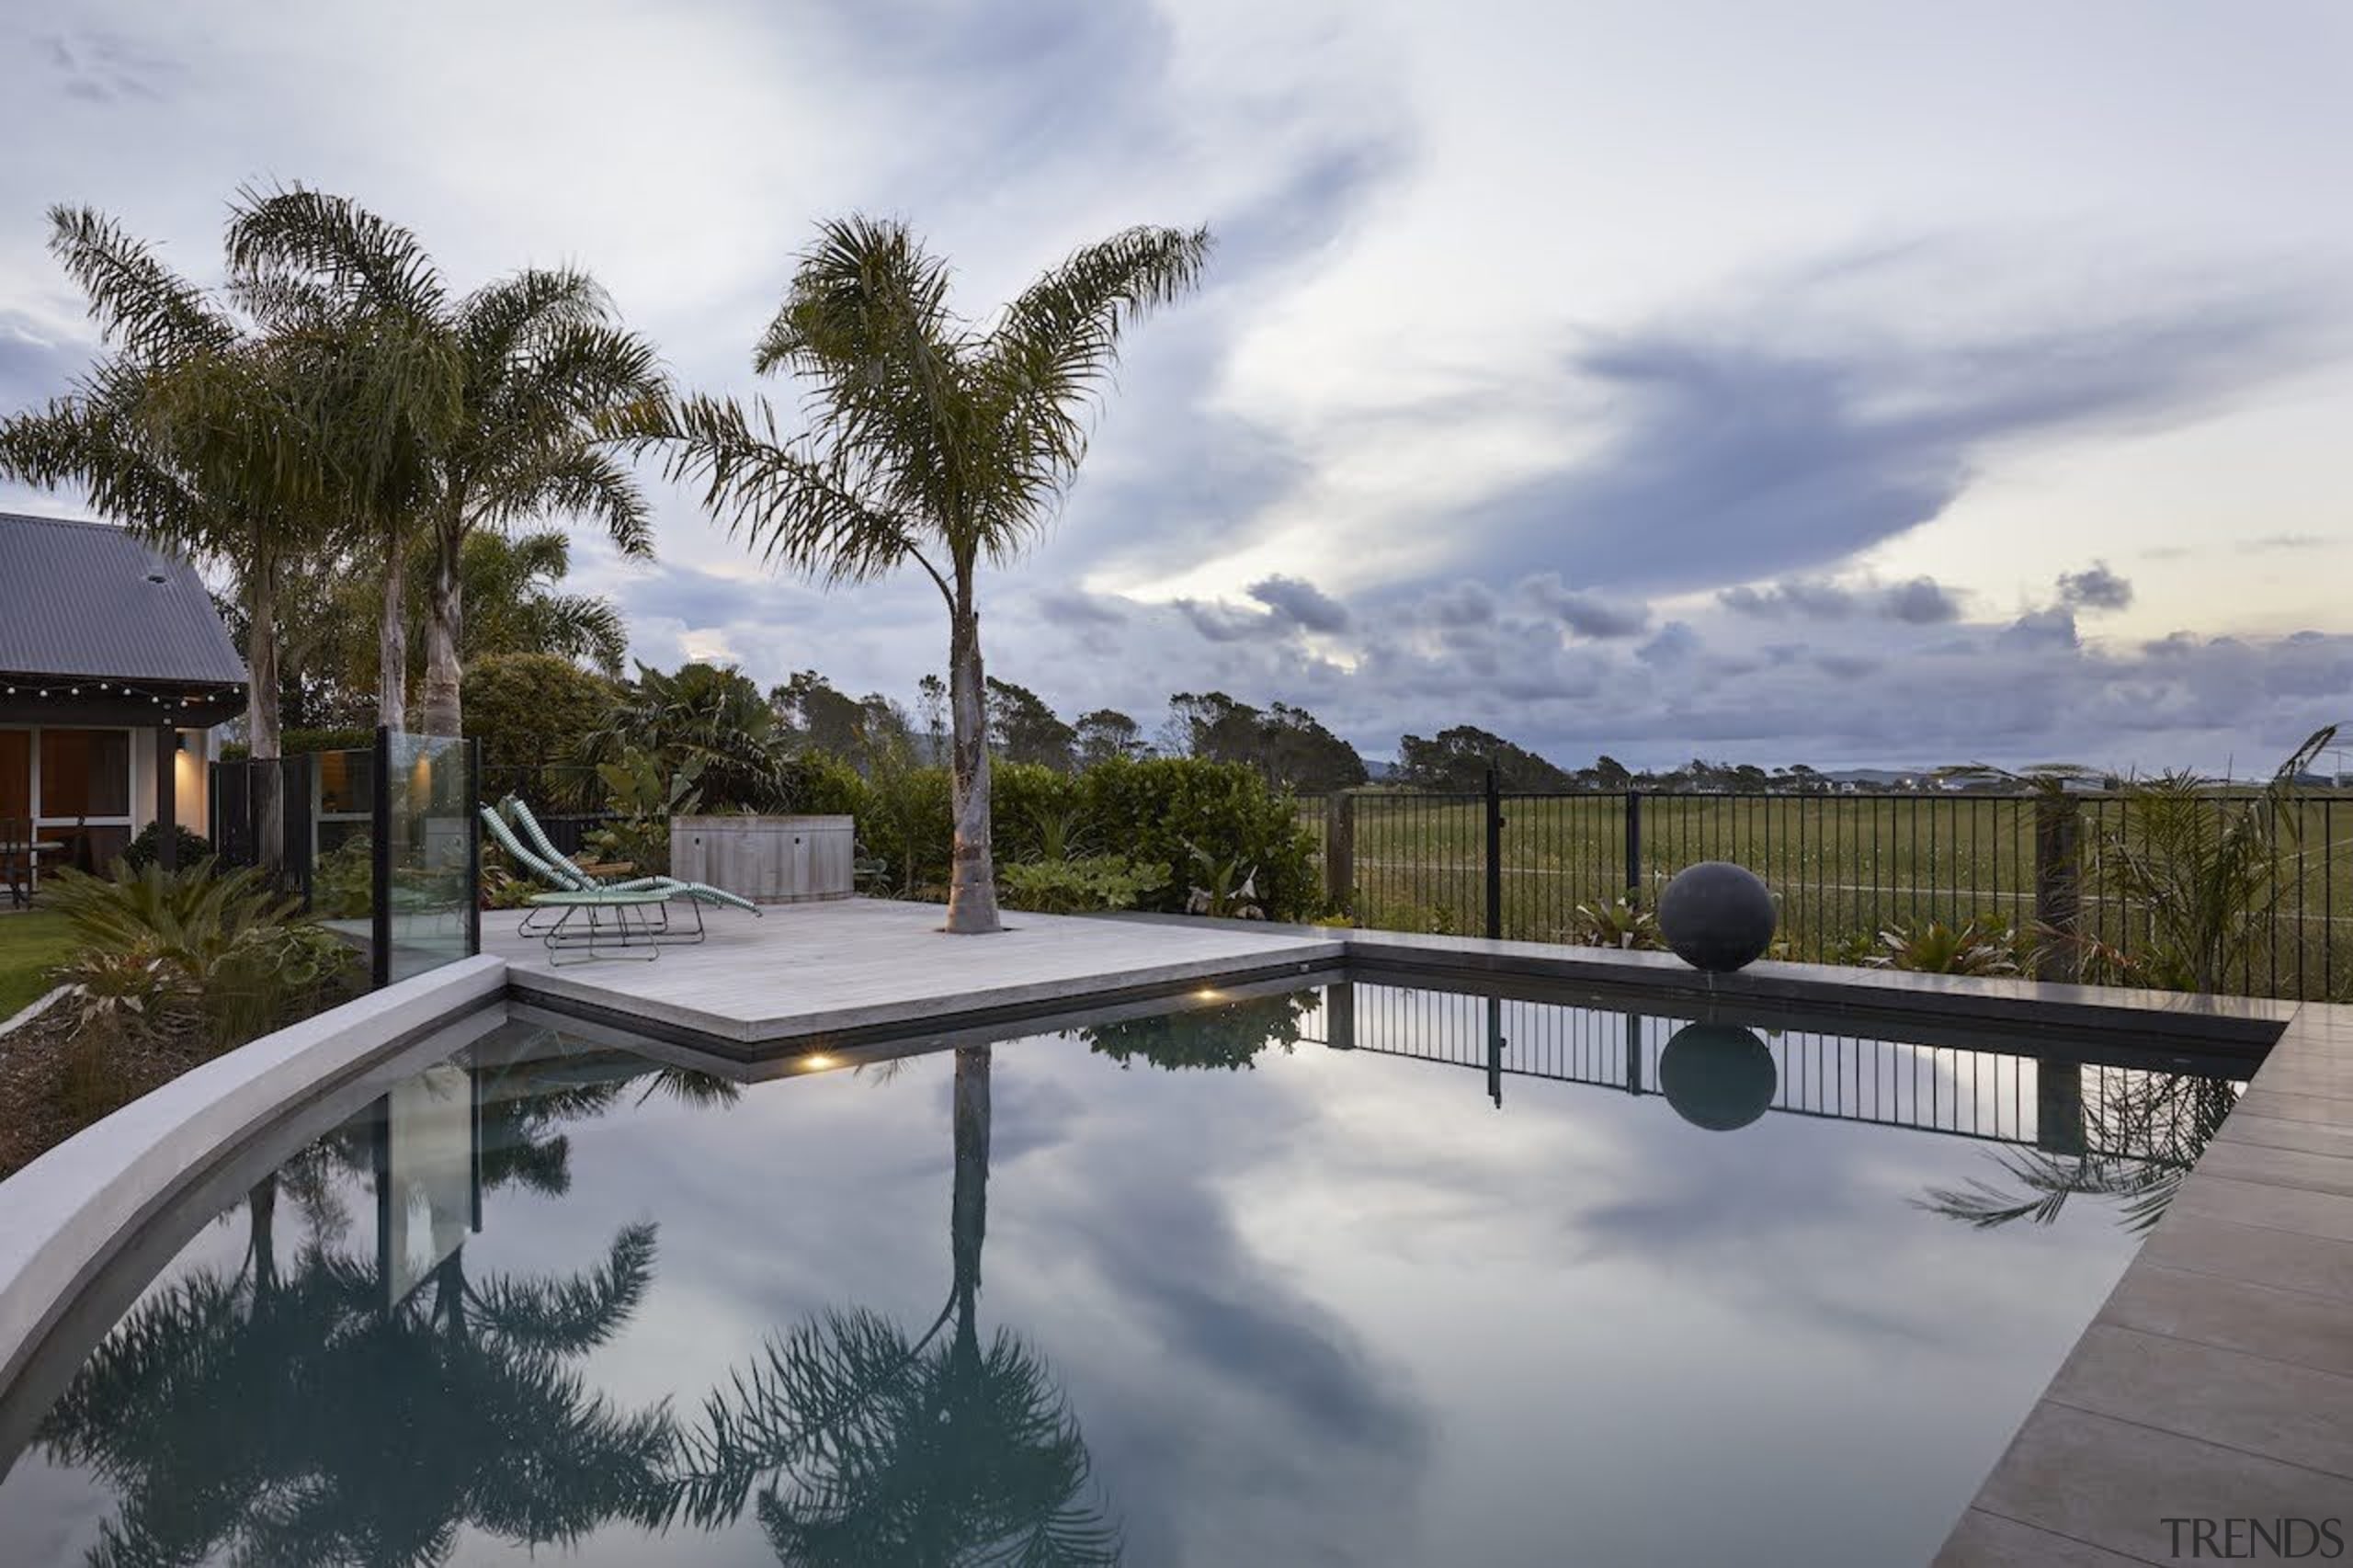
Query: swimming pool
[[1352, 1272]]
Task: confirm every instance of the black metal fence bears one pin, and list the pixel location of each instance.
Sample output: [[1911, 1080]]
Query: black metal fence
[[1844, 869], [561, 797]]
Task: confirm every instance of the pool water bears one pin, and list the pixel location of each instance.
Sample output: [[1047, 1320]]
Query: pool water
[[1358, 1272]]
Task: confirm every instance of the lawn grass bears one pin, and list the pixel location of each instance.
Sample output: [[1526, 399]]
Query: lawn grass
[[31, 942]]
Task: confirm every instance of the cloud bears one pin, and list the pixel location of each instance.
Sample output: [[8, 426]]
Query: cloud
[[2095, 588], [1302, 602], [1585, 614], [2054, 627], [1789, 434], [1918, 601]]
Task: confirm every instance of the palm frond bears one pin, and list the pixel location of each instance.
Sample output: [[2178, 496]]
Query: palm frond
[[798, 508], [139, 304]]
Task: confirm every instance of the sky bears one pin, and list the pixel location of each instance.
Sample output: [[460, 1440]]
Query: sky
[[1876, 383]]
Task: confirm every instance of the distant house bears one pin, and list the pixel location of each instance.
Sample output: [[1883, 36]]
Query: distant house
[[114, 667]]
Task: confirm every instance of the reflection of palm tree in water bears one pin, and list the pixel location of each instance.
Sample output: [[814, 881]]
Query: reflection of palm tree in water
[[865, 1447], [2134, 1141], [290, 1416]]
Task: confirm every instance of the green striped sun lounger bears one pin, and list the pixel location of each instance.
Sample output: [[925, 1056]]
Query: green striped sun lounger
[[574, 890]]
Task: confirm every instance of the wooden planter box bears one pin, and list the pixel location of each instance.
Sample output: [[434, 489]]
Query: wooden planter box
[[765, 859]]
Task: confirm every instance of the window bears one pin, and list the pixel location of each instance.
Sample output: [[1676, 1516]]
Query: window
[[84, 773]]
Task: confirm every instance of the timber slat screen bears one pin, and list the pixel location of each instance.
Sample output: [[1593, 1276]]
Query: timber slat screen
[[1844, 868]]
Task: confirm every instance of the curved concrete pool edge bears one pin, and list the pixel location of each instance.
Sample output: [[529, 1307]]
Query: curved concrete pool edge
[[67, 1213]]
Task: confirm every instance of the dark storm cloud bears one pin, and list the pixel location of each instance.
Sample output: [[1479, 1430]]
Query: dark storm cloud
[[1302, 602], [1585, 614], [1464, 604], [1920, 601], [1738, 456], [1072, 606], [1923, 601], [2095, 587]]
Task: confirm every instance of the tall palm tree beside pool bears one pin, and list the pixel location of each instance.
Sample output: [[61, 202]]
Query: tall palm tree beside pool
[[510, 376], [931, 441]]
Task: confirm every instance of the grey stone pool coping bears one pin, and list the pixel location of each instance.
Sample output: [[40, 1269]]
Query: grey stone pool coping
[[2217, 1379], [67, 1214]]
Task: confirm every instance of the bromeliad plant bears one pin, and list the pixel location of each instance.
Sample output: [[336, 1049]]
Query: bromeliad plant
[[1622, 923], [1977, 947]]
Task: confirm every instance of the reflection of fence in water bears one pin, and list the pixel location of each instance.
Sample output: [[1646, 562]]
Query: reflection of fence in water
[[2052, 1102]]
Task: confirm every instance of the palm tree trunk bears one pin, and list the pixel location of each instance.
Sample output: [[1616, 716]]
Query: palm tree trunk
[[392, 640], [443, 715], [967, 1214], [972, 882], [267, 778]]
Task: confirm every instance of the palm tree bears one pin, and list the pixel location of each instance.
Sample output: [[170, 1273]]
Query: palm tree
[[932, 442], [504, 383], [866, 1446], [364, 294], [197, 430], [509, 583]]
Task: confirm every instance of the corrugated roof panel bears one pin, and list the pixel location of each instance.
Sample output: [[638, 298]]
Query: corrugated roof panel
[[80, 599]]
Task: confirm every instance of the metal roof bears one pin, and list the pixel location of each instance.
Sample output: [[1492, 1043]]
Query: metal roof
[[80, 599]]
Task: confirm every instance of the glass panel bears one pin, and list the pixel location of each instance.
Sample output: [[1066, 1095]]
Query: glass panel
[[429, 863], [84, 773]]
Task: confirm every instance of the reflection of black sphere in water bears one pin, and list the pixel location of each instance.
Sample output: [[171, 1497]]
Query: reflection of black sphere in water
[[1718, 1076]]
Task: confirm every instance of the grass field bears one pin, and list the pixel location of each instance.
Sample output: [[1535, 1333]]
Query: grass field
[[30, 941], [1843, 867]]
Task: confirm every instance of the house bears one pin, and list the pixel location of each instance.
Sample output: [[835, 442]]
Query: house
[[114, 667]]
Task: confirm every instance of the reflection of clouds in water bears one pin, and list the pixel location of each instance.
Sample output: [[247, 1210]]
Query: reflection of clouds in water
[[1235, 1416]]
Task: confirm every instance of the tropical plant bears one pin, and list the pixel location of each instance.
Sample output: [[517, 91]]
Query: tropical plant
[[1227, 889], [710, 716], [240, 948], [474, 411], [1622, 923], [641, 797], [1977, 947], [132, 990], [1089, 881], [931, 442], [2198, 874], [200, 429]]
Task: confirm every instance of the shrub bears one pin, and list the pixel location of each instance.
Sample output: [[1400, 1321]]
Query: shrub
[[237, 946], [1070, 887], [1162, 810], [148, 845], [343, 880], [531, 709]]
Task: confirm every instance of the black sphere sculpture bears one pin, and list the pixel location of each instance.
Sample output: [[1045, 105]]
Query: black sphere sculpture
[[1717, 916], [1719, 1076]]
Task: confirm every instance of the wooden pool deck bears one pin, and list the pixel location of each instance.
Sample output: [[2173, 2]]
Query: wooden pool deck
[[804, 971]]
